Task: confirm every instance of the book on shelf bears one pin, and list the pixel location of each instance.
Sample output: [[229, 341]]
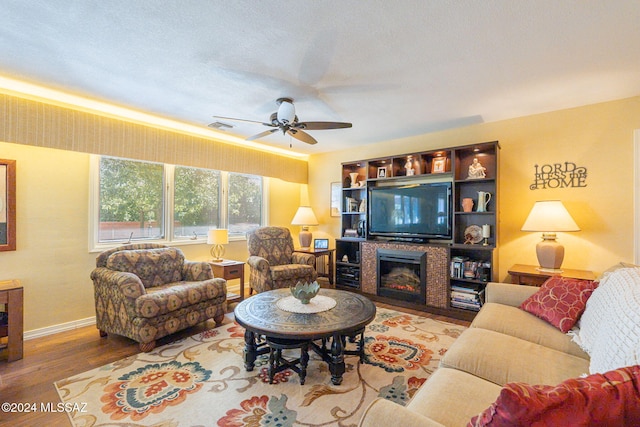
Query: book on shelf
[[465, 305], [464, 296], [467, 288], [467, 298], [464, 268]]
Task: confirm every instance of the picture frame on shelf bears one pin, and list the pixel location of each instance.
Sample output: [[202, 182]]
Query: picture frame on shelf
[[382, 172], [320, 243], [7, 205], [336, 193], [351, 204], [439, 165]]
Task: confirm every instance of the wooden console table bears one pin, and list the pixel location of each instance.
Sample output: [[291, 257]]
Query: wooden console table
[[11, 295], [229, 270], [530, 275], [320, 254]]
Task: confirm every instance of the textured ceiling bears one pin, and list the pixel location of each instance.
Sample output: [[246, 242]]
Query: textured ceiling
[[392, 68]]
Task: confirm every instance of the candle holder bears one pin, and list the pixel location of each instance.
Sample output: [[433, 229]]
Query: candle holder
[[486, 232]]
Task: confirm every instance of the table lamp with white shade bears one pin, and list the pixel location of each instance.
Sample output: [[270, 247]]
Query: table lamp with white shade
[[305, 217], [217, 237], [549, 216]]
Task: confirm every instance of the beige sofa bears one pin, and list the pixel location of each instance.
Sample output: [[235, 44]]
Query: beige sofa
[[503, 344]]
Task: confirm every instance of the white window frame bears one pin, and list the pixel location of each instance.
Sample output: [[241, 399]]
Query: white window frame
[[94, 208]]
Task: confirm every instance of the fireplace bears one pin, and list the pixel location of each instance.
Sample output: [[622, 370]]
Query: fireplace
[[402, 275]]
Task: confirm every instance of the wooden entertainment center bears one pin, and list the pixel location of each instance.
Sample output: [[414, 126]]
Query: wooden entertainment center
[[458, 266]]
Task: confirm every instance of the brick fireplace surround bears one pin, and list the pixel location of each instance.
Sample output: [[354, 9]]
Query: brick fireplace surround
[[437, 269]]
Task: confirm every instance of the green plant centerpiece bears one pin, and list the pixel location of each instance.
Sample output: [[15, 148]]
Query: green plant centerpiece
[[305, 291]]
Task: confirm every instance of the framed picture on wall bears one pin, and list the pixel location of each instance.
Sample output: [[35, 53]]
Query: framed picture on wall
[[382, 172], [336, 193], [7, 205]]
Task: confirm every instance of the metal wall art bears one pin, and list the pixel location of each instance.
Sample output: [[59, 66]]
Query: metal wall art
[[559, 175]]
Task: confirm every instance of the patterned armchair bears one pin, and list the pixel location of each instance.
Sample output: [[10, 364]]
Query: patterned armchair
[[272, 262], [147, 291]]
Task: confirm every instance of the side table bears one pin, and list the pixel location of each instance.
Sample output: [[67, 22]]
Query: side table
[[11, 296], [320, 254], [228, 270], [530, 275]]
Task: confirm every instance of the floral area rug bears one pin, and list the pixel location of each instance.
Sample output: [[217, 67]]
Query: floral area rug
[[201, 380]]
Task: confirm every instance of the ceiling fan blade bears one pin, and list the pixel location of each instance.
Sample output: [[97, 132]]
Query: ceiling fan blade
[[322, 125], [243, 120], [302, 136], [262, 134]]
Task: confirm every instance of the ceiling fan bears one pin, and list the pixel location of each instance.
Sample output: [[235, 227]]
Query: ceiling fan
[[285, 120]]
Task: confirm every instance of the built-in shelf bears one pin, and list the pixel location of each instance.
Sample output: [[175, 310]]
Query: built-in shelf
[[447, 164]]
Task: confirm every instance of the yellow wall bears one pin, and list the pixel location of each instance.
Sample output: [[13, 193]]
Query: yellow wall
[[52, 259], [598, 137]]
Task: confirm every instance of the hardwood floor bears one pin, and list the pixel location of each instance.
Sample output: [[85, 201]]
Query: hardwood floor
[[55, 357]]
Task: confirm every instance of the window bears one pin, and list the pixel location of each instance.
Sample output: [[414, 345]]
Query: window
[[245, 203], [196, 201], [133, 200]]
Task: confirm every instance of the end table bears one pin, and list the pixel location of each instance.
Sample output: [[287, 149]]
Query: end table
[[11, 295], [228, 270], [530, 275], [320, 254]]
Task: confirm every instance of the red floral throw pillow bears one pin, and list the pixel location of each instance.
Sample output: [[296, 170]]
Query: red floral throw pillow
[[610, 399], [560, 301]]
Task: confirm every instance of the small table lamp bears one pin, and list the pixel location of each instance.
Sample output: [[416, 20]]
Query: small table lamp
[[217, 238], [305, 217], [549, 216]]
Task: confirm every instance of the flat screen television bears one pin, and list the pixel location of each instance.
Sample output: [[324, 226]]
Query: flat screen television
[[410, 212]]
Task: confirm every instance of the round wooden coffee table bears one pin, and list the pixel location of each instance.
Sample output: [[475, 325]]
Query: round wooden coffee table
[[261, 317]]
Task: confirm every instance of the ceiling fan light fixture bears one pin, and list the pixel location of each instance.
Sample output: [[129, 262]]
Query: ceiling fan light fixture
[[286, 111]]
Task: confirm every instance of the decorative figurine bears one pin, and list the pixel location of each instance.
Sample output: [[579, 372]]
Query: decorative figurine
[[476, 170], [409, 166]]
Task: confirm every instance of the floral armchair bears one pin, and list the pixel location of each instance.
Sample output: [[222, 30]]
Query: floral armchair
[[273, 264], [147, 291]]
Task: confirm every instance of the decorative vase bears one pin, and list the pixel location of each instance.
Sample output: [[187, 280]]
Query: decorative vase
[[354, 179], [483, 201], [305, 291], [467, 204]]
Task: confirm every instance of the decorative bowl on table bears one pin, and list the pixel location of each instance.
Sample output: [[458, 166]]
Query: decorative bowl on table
[[304, 291]]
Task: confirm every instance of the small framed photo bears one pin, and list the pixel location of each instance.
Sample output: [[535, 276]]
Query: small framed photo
[[382, 172], [320, 243], [439, 165]]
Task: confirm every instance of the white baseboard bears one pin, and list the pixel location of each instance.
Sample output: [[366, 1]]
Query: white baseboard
[[62, 327], [50, 330]]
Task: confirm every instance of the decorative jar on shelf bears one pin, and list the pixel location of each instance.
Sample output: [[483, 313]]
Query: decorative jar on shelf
[[354, 179], [467, 204]]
